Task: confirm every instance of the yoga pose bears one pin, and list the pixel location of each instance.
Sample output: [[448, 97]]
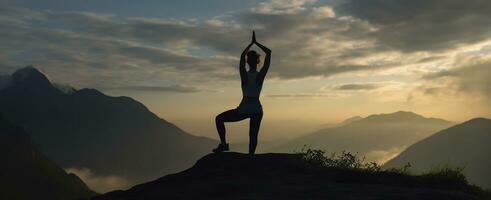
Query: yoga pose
[[249, 107]]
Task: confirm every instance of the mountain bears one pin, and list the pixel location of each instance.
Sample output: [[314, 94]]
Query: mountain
[[85, 128], [376, 136], [465, 145], [285, 176], [25, 173], [344, 122], [351, 119]]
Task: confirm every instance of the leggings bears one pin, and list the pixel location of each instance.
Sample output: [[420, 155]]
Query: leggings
[[234, 116]]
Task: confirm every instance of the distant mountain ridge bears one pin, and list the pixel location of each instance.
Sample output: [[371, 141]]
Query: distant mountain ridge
[[375, 133], [86, 128], [400, 116], [466, 145], [351, 119], [25, 173]]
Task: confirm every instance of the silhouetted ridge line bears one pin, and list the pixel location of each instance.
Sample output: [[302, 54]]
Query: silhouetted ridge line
[[30, 75], [399, 116]]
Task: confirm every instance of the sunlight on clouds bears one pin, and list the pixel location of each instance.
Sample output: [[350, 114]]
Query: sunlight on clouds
[[282, 6], [318, 44], [323, 12], [452, 87]]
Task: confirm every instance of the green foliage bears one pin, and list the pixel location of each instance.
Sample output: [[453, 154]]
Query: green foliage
[[348, 160], [344, 160], [402, 170], [448, 174], [439, 177]]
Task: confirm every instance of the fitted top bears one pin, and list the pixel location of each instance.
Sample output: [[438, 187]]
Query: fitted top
[[252, 88]]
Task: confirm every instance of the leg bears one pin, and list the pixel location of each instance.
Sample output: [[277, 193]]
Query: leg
[[254, 125], [227, 116]]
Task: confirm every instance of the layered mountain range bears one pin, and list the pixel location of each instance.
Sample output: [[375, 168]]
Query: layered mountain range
[[87, 129], [386, 133]]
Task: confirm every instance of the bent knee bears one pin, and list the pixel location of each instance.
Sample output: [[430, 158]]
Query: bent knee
[[218, 118]]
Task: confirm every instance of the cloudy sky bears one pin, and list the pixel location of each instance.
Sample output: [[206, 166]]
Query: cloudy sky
[[332, 59]]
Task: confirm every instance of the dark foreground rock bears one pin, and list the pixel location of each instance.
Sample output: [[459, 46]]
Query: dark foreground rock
[[283, 176]]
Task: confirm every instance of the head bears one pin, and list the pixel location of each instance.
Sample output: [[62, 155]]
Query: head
[[253, 58]]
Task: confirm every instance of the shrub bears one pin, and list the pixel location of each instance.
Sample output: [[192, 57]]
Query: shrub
[[447, 174], [348, 160], [402, 170], [444, 177], [344, 160]]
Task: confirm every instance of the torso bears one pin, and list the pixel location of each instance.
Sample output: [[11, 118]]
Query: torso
[[251, 91], [253, 86]]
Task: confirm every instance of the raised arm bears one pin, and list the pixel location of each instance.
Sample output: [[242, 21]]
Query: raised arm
[[267, 60], [242, 69]]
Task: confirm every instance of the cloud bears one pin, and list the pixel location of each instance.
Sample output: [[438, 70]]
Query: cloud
[[323, 12], [100, 184], [422, 25], [300, 95], [470, 76], [172, 88], [358, 86], [470, 79], [308, 39], [91, 60], [282, 6], [95, 43], [380, 89]]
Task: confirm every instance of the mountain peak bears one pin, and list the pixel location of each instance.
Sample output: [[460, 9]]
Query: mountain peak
[[479, 120], [395, 116], [405, 113], [30, 76], [351, 119]]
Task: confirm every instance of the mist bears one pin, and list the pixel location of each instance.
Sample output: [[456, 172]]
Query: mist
[[98, 183]]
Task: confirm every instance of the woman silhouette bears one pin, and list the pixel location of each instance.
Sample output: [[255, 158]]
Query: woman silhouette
[[249, 107]]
